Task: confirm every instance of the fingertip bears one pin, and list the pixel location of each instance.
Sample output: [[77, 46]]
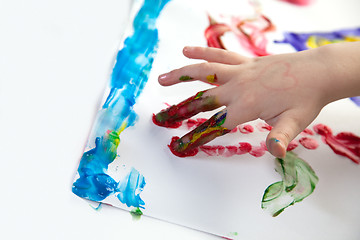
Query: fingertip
[[162, 79], [276, 147], [187, 50]]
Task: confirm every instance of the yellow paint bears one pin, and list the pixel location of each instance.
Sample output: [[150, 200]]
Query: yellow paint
[[211, 78], [314, 41]]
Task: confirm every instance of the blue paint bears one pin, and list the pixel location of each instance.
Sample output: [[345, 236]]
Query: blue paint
[[130, 189], [299, 40], [128, 79], [356, 100]]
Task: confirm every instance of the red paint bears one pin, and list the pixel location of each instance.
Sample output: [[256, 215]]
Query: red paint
[[307, 131], [188, 153], [263, 127], [292, 145], [195, 122], [244, 148], [345, 143], [231, 151], [309, 143], [234, 130], [246, 128], [213, 33], [250, 33], [167, 124], [258, 151], [226, 151]]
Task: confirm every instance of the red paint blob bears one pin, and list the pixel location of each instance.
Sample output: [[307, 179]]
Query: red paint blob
[[307, 131], [195, 122], [309, 143], [244, 147], [191, 152], [246, 128], [263, 127], [292, 145], [345, 143], [167, 124], [258, 151]]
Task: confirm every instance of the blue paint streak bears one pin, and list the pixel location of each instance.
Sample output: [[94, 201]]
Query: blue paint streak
[[128, 79]]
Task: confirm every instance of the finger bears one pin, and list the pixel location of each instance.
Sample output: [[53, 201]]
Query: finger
[[201, 102], [214, 55], [213, 73], [219, 124], [206, 132], [285, 129]]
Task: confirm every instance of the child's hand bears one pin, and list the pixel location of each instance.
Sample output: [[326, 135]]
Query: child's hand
[[287, 91]]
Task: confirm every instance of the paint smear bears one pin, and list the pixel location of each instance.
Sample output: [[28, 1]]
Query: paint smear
[[249, 32], [292, 145], [309, 143], [129, 76], [298, 182], [299, 2], [246, 128], [304, 41], [345, 143]]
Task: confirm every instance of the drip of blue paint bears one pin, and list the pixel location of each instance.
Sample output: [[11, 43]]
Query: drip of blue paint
[[129, 76]]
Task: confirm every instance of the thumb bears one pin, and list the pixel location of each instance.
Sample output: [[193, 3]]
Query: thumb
[[284, 130]]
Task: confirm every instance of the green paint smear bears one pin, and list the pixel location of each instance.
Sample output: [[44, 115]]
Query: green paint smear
[[136, 213], [185, 78], [298, 182]]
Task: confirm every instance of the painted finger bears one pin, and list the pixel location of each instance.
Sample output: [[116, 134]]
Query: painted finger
[[209, 130], [200, 102], [284, 130], [213, 73], [214, 55]]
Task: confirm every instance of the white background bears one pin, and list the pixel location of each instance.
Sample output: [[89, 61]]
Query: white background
[[55, 59]]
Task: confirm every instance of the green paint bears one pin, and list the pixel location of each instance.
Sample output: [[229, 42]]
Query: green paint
[[136, 213], [185, 78], [298, 182]]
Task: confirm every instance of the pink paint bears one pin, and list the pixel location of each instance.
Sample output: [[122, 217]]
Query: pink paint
[[345, 143], [299, 2], [292, 145], [309, 143], [246, 128]]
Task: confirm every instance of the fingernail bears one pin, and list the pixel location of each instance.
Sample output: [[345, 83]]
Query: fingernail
[[186, 48], [163, 77]]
